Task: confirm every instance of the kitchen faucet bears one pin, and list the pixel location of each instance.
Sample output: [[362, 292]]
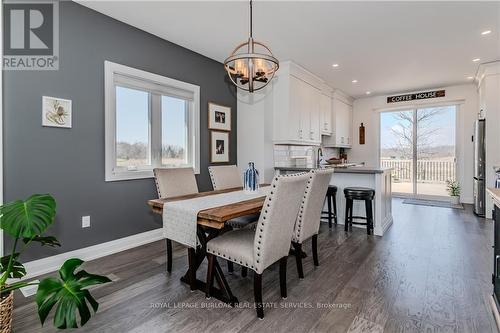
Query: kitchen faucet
[[319, 157]]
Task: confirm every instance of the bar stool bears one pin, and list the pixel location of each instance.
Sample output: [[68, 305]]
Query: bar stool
[[331, 199], [359, 193]]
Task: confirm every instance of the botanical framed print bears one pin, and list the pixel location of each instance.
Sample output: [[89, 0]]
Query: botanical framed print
[[219, 147], [219, 117], [56, 112]]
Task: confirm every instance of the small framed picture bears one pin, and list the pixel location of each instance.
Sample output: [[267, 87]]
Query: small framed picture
[[219, 147], [219, 117], [56, 112]]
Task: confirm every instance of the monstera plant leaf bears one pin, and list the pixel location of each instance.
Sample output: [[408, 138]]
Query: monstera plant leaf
[[17, 270], [43, 240], [69, 293], [28, 218]]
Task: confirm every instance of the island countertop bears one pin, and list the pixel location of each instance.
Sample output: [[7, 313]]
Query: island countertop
[[495, 194], [352, 169]]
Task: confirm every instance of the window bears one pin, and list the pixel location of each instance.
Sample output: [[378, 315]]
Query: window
[[151, 121]]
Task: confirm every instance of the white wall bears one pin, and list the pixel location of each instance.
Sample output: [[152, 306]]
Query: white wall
[[366, 111], [254, 128]]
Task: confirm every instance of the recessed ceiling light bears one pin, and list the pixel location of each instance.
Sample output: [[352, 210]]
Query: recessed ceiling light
[[470, 77], [368, 92], [335, 65], [354, 81], [476, 59], [486, 32]]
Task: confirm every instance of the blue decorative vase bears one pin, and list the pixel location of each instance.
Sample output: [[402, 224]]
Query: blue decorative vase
[[251, 178]]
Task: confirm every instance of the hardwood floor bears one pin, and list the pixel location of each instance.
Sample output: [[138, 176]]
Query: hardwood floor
[[431, 272]]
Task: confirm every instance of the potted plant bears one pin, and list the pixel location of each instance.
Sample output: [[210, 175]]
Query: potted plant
[[453, 188], [26, 221]]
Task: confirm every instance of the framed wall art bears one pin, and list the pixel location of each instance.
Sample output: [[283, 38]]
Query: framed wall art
[[219, 117], [219, 147], [56, 112]]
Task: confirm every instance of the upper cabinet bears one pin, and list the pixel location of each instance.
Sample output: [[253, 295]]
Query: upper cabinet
[[326, 114], [297, 113], [342, 123], [296, 108]]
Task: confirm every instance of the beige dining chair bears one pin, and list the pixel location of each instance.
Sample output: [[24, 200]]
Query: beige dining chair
[[173, 183], [309, 218], [269, 243], [228, 176], [224, 177]]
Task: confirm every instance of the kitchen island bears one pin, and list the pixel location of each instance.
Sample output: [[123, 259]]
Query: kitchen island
[[376, 178]]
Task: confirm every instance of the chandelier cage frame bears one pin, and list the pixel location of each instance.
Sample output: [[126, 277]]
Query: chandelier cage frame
[[247, 64]]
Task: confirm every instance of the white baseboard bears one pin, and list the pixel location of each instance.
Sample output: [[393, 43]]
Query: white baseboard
[[51, 264]]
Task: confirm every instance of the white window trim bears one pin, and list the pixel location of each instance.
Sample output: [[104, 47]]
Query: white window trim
[[110, 69]]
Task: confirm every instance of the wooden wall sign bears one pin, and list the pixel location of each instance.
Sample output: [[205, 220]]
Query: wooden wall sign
[[416, 96], [362, 134]]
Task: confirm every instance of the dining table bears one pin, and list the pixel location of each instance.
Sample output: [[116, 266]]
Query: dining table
[[211, 223]]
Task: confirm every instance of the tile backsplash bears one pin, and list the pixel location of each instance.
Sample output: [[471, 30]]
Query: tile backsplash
[[288, 156], [301, 156]]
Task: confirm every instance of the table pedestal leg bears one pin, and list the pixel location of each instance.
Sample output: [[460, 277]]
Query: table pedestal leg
[[223, 293]]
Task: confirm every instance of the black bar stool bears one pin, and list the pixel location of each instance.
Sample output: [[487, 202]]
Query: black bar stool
[[331, 199], [359, 193]]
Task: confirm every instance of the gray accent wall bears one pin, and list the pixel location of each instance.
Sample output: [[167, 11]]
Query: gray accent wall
[[69, 163]]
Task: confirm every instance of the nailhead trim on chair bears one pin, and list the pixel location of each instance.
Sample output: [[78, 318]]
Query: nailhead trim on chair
[[264, 215], [156, 183], [259, 229], [303, 204], [212, 178]]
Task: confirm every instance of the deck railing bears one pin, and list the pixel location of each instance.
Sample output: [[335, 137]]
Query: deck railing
[[431, 171]]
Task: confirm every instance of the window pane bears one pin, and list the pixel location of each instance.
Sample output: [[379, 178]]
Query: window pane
[[435, 149], [132, 127], [174, 131], [396, 148]]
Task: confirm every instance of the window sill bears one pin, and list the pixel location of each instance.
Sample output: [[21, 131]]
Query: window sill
[[131, 175]]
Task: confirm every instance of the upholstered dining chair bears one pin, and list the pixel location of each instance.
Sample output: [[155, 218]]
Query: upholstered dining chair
[[225, 176], [229, 176], [309, 217], [173, 183], [269, 243]]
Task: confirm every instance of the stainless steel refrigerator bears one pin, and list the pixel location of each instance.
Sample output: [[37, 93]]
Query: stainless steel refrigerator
[[479, 167]]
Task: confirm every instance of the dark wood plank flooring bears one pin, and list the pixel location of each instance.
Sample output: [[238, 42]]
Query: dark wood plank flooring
[[431, 272]]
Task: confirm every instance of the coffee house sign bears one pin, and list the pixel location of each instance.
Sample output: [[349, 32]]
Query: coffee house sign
[[416, 96]]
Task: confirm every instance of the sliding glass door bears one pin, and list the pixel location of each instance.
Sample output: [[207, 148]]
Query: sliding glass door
[[396, 148], [419, 144]]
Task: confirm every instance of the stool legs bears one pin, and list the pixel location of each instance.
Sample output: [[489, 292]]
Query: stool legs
[[348, 214], [369, 216], [329, 202], [334, 200]]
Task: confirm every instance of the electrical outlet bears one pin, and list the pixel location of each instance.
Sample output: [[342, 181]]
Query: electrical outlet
[[86, 221]]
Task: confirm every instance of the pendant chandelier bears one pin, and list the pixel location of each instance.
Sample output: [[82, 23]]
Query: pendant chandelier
[[251, 66]]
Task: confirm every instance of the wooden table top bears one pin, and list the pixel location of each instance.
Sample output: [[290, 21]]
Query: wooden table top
[[217, 216]]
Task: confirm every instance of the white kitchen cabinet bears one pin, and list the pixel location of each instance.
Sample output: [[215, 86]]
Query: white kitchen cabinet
[[296, 111], [291, 110], [326, 114], [342, 125], [313, 108]]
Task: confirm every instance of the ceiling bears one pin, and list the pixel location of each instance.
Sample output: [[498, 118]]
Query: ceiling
[[388, 47]]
